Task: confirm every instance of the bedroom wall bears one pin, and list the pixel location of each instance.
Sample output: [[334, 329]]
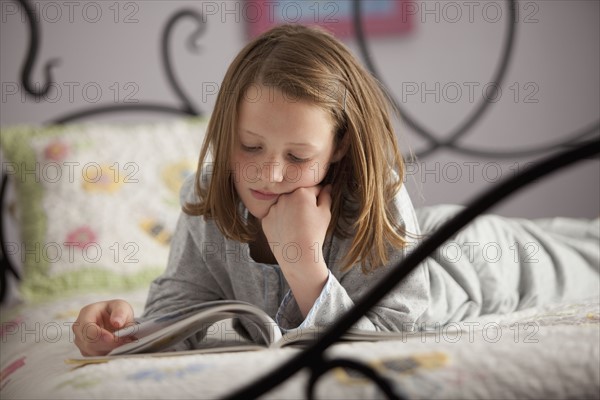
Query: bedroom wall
[[109, 54]]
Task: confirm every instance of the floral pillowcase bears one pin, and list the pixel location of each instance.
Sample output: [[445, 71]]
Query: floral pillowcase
[[96, 203]]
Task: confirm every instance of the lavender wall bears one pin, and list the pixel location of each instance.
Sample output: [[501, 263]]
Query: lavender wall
[[110, 54]]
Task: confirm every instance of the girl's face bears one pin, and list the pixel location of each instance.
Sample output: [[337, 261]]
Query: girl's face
[[282, 144]]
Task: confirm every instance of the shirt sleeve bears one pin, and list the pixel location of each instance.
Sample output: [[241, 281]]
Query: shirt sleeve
[[399, 310], [187, 278]]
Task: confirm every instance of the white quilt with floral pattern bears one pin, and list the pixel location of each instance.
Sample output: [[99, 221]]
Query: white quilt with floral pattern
[[551, 352]]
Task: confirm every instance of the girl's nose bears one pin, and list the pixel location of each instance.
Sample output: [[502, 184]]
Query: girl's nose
[[272, 171]]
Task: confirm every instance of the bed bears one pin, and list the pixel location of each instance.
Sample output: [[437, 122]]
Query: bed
[[549, 352], [75, 179]]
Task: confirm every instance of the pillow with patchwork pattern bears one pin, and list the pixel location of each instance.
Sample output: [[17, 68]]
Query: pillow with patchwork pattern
[[96, 203]]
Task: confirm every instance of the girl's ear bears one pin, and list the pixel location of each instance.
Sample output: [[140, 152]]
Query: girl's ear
[[342, 148]]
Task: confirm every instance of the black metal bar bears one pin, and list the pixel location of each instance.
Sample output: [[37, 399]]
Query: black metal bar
[[382, 383], [498, 78], [186, 108], [146, 107], [451, 142], [34, 40], [6, 265]]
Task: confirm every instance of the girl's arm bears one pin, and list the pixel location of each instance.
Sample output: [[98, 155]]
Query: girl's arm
[[295, 226], [400, 310]]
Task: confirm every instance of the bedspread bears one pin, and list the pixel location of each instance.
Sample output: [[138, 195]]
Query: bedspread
[[534, 340], [498, 265], [543, 352]]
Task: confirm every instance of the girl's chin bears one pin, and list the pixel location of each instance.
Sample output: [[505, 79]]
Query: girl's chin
[[258, 214]]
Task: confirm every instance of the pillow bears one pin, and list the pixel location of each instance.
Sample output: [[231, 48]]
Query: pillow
[[97, 203]]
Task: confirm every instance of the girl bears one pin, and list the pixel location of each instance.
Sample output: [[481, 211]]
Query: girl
[[302, 209]]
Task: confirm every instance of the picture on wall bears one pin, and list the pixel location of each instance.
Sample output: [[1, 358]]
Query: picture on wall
[[379, 17]]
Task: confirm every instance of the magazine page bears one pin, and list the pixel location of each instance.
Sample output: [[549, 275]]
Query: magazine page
[[161, 333], [299, 337], [222, 348], [145, 328], [306, 336]]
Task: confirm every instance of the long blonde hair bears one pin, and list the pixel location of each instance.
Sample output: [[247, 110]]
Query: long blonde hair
[[310, 65]]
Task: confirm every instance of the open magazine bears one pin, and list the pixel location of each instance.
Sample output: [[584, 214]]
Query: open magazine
[[158, 336]]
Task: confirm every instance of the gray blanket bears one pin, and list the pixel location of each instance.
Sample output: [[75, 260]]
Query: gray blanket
[[500, 265]]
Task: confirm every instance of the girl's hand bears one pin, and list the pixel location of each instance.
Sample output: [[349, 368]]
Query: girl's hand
[[296, 225], [96, 324], [295, 228]]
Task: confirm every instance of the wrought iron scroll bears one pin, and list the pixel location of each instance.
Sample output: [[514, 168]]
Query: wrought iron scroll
[[6, 266], [452, 141], [186, 108], [34, 41]]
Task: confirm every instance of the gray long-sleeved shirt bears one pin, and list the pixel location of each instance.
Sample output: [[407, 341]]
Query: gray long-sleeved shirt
[[203, 266], [533, 262]]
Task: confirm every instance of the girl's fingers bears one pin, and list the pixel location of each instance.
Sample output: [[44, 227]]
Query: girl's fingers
[[100, 342], [120, 313], [95, 325], [324, 198]]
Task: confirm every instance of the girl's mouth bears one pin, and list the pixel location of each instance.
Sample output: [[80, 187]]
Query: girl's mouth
[[263, 195]]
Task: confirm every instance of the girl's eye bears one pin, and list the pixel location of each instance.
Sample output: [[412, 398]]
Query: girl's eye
[[250, 148], [297, 159]]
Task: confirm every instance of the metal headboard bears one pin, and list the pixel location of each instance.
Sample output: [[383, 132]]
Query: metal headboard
[[434, 143]]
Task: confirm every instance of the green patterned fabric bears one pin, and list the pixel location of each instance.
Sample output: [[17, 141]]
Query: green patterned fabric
[[96, 203]]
